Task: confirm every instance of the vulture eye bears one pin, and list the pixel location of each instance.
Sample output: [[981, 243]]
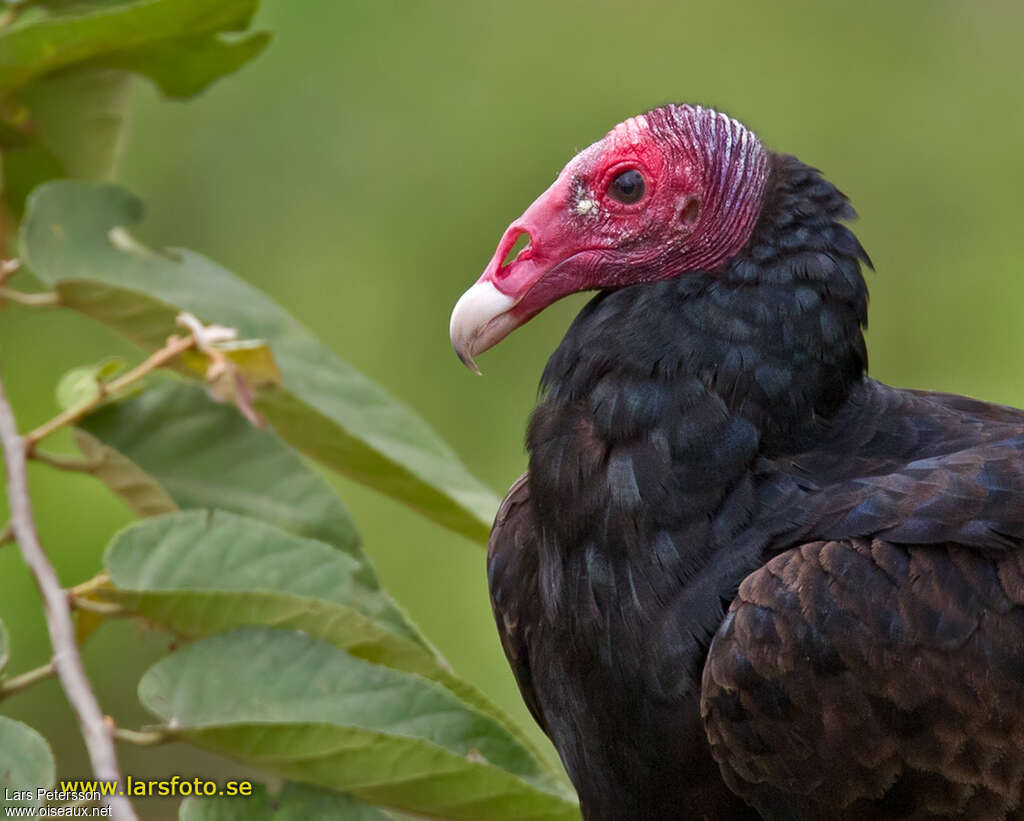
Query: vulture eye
[[628, 187]]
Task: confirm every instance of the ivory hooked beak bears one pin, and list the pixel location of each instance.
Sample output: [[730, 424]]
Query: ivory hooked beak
[[480, 320], [504, 296]]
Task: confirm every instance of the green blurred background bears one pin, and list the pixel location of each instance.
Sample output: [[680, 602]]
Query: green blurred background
[[363, 169]]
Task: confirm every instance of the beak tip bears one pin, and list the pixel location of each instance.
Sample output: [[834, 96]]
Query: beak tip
[[476, 323], [467, 360]]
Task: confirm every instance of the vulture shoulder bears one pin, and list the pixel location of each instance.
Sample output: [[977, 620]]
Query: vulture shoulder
[[872, 668], [865, 679]]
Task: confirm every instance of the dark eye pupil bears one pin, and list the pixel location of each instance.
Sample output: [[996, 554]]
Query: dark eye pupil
[[628, 186]]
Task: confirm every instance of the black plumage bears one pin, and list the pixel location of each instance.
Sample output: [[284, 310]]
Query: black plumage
[[741, 579]]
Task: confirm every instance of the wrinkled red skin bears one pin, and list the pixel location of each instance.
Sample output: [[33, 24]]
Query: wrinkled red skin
[[704, 181]]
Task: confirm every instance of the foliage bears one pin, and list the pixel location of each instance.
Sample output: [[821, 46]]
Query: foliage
[[74, 239], [65, 71], [26, 764], [296, 802], [292, 658]]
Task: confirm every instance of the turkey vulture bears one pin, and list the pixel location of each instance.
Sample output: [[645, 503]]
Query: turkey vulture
[[741, 579]]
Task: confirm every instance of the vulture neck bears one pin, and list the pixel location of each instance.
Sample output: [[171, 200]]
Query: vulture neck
[[662, 396]]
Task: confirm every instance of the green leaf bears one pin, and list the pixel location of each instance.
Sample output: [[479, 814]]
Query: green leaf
[[291, 704], [251, 359], [66, 71], [82, 384], [222, 553], [323, 407], [24, 168], [184, 66], [170, 446], [26, 764], [296, 802], [201, 454], [79, 117], [71, 66], [87, 622], [146, 36], [141, 492], [75, 120], [5, 646], [200, 573]]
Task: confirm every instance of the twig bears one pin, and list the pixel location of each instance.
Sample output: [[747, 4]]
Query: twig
[[101, 579], [142, 738], [104, 608], [175, 347], [7, 534], [26, 679], [66, 660], [208, 337], [63, 462], [41, 300]]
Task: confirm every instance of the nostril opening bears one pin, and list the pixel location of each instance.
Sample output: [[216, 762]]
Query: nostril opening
[[522, 242]]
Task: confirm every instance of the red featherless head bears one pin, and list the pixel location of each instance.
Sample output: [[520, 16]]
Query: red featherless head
[[677, 189]]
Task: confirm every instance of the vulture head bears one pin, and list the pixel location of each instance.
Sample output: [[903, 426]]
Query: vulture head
[[675, 190]]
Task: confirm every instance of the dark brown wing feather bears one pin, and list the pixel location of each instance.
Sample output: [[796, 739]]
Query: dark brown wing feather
[[876, 670], [862, 679], [911, 467], [511, 569]]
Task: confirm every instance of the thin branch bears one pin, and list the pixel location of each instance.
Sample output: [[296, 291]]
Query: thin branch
[[45, 299], [66, 660], [143, 738], [60, 462], [27, 679], [101, 579], [104, 608], [175, 347], [7, 534]]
